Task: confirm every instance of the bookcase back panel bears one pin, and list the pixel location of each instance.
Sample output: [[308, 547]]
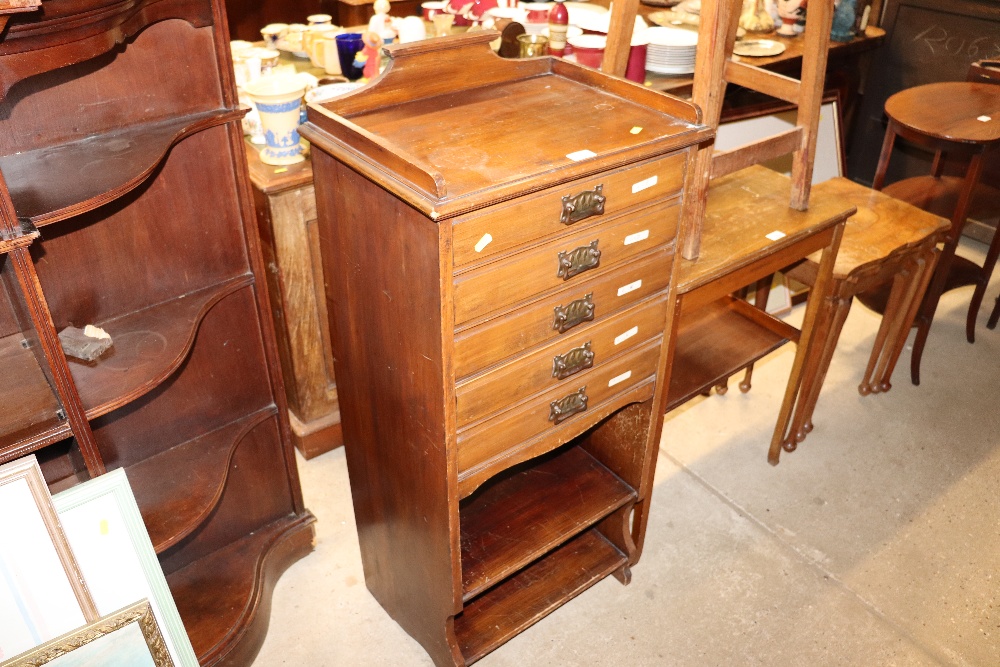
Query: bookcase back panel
[[131, 259], [245, 504], [223, 379]]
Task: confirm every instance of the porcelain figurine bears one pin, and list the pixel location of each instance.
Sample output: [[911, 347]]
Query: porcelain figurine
[[755, 17], [791, 12], [844, 14]]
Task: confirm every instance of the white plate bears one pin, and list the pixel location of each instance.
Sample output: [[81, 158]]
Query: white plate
[[758, 48], [658, 69], [672, 37]]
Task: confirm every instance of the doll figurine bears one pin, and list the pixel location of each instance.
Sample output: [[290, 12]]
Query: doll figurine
[[791, 12], [369, 56]]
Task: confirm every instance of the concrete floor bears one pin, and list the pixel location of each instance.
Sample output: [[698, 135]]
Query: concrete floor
[[876, 543]]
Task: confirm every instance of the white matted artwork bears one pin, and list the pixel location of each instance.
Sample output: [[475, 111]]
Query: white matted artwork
[[105, 529], [829, 146], [42, 594]]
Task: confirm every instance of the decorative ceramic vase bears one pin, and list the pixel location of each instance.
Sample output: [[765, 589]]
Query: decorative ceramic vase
[[278, 100], [756, 18], [791, 12]]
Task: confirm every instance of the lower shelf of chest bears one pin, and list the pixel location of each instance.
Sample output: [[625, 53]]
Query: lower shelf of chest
[[526, 598], [529, 543]]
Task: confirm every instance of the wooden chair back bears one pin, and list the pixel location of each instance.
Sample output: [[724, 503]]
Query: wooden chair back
[[715, 67]]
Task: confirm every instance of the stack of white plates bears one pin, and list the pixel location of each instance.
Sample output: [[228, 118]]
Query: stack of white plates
[[670, 50]]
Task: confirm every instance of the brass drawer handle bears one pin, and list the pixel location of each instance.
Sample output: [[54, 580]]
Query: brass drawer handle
[[578, 260], [574, 361], [568, 406], [577, 207], [580, 310]]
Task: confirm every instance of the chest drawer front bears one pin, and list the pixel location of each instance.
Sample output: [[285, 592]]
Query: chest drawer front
[[559, 362], [510, 333], [561, 261], [507, 226], [556, 409]]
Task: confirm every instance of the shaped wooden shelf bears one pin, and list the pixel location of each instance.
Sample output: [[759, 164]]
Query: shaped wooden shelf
[[31, 416], [88, 173], [224, 598], [169, 516], [509, 523], [149, 345], [74, 31]]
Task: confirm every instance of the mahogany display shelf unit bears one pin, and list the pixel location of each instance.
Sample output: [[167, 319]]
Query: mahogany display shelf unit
[[125, 203], [501, 299]]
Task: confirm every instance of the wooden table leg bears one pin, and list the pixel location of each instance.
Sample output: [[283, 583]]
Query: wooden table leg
[[895, 309], [821, 290], [924, 269], [982, 282], [944, 265], [832, 323]]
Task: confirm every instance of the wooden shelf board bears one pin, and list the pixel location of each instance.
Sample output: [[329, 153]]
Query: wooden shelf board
[[149, 345], [509, 524], [85, 174], [171, 516], [224, 597], [28, 404], [70, 36], [524, 599], [716, 341]]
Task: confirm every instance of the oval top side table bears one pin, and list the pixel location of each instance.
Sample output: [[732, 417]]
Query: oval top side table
[[961, 120]]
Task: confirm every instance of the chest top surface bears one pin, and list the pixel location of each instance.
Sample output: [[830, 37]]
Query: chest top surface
[[460, 128]]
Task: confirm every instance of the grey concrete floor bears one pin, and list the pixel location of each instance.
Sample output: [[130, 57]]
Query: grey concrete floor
[[876, 543]]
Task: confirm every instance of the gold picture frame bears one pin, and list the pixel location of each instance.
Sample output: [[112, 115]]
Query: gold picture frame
[[129, 636]]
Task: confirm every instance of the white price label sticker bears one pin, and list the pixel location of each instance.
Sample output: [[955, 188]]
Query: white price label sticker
[[581, 155], [631, 287], [775, 236], [621, 338], [619, 378], [638, 236], [644, 184], [483, 242]]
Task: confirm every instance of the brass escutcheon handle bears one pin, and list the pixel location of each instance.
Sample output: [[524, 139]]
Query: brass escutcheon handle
[[580, 310], [577, 207], [578, 260], [568, 406], [574, 361]]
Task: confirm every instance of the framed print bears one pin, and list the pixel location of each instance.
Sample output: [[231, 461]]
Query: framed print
[[103, 526], [127, 637], [42, 594], [759, 122]]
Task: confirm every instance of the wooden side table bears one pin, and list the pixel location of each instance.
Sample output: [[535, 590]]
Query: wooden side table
[[954, 119], [286, 215]]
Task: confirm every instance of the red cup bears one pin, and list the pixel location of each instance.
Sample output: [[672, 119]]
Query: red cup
[[635, 70], [589, 49], [536, 12]]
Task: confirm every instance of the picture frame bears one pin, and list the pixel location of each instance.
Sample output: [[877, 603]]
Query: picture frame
[[104, 527], [765, 120], [129, 636], [42, 592]]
